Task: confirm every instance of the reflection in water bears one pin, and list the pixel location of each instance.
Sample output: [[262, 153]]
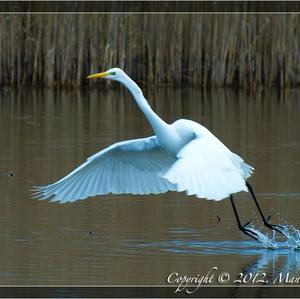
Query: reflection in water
[[139, 239], [263, 260], [223, 247]]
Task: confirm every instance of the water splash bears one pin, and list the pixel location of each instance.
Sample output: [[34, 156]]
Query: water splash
[[293, 236], [291, 233], [266, 241]]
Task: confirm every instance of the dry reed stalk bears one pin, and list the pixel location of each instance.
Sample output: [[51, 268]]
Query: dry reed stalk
[[200, 50]]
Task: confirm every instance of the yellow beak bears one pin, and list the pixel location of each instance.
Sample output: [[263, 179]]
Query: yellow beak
[[98, 75]]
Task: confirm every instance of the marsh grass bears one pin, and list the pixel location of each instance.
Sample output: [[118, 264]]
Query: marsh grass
[[199, 50]]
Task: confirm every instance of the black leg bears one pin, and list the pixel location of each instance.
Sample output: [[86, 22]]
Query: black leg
[[242, 227], [275, 227]]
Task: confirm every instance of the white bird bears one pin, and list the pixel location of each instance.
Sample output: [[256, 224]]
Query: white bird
[[182, 156]]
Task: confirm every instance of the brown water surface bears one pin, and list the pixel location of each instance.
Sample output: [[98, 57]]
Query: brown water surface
[[130, 239]]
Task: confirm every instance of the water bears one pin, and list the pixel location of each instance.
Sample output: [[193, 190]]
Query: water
[[141, 239]]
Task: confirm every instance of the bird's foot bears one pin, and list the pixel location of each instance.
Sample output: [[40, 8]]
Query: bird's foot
[[291, 233], [249, 232], [278, 228]]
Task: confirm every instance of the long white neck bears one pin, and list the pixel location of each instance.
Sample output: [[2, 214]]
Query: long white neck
[[155, 121]]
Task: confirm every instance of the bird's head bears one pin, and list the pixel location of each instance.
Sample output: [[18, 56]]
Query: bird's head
[[114, 74], [119, 75]]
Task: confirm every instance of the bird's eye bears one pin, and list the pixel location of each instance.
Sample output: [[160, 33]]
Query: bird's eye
[[113, 73]]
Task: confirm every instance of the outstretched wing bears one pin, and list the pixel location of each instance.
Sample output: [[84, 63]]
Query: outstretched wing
[[132, 166], [208, 169]]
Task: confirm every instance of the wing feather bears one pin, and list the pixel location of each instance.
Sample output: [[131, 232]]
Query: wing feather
[[208, 169], [133, 166]]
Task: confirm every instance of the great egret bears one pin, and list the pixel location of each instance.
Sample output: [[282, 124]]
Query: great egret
[[183, 156]]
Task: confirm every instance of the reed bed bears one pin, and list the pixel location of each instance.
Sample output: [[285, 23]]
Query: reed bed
[[199, 50]]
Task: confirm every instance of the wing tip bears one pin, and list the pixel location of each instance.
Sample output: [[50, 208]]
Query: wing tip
[[40, 193]]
